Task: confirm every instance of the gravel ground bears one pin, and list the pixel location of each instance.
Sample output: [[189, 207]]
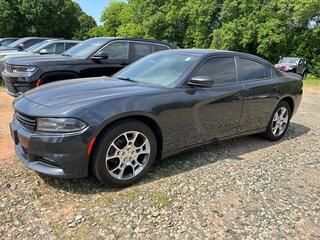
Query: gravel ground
[[247, 188]]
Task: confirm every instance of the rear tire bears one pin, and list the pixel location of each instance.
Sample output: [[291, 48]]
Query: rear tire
[[124, 153], [279, 122]]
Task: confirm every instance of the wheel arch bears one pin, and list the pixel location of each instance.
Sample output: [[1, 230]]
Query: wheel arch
[[290, 101], [146, 119], [58, 74]]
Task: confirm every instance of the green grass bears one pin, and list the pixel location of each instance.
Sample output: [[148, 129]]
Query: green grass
[[312, 82]]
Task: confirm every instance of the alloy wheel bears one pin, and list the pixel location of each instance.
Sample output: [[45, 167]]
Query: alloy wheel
[[280, 121], [127, 155]]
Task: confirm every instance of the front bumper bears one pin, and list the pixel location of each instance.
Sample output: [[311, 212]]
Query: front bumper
[[59, 155], [15, 86]]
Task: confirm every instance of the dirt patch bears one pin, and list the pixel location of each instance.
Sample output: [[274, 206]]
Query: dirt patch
[[6, 111]]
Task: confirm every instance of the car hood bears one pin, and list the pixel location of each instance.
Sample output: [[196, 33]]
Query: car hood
[[6, 48], [81, 92], [18, 54], [39, 60]]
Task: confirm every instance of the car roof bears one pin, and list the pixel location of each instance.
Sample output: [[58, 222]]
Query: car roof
[[63, 40], [136, 39], [215, 52]]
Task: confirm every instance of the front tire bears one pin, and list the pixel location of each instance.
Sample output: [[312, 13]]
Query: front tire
[[124, 153], [279, 122]]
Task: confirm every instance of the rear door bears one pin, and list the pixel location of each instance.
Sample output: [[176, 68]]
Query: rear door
[[261, 96], [213, 113]]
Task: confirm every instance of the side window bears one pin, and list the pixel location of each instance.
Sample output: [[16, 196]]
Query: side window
[[251, 70], [70, 45], [50, 48], [59, 48], [55, 48], [141, 50], [158, 48], [221, 70], [31, 42], [117, 50]]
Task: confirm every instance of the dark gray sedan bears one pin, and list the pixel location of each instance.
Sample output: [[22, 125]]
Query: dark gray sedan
[[163, 104]]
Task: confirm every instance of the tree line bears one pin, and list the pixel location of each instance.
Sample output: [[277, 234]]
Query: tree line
[[268, 28], [47, 18]]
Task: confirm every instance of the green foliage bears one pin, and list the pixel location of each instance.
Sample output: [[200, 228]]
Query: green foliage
[[269, 28], [50, 18], [86, 24]]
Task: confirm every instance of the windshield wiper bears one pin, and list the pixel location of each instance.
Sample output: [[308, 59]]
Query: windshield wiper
[[63, 54], [126, 79]]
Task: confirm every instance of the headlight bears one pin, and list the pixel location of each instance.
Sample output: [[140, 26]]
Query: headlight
[[23, 68], [23, 71], [62, 125]]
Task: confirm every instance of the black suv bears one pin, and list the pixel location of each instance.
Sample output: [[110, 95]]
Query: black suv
[[92, 58], [293, 64]]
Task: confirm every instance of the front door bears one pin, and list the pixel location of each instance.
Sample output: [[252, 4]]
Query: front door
[[118, 58], [212, 113]]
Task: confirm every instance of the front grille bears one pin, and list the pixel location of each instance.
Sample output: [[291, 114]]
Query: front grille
[[8, 68], [26, 121]]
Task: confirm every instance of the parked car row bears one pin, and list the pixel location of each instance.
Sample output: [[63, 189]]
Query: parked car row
[[91, 58], [161, 102]]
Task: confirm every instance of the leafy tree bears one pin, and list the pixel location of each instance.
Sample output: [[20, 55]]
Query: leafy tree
[[11, 20], [86, 24], [50, 18]]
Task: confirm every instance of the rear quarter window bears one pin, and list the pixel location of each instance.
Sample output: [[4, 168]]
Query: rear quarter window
[[252, 70]]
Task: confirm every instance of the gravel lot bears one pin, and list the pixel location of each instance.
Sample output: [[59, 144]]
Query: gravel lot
[[247, 188]]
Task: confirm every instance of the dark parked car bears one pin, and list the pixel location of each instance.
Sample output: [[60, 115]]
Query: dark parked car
[[92, 58], [293, 64], [22, 44], [7, 41], [163, 104]]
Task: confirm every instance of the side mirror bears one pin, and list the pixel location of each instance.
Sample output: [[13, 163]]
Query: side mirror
[[43, 51], [100, 56], [21, 46], [201, 81]]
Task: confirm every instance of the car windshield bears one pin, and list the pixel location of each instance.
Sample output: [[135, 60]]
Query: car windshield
[[6, 42], [85, 49], [35, 47], [289, 60], [162, 68], [16, 44]]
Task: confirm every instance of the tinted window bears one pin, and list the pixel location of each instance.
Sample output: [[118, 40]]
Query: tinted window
[[117, 50], [59, 48], [6, 42], [70, 45], [29, 43], [250, 70], [140, 50], [86, 48], [163, 68], [161, 48], [221, 70]]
